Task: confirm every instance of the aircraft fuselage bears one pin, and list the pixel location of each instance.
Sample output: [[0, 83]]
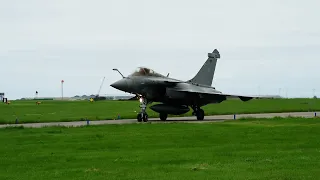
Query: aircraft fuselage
[[161, 89]]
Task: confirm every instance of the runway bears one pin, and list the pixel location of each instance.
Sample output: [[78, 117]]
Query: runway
[[191, 119]]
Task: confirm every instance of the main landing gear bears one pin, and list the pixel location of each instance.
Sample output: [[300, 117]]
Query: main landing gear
[[163, 117], [198, 112], [143, 116]]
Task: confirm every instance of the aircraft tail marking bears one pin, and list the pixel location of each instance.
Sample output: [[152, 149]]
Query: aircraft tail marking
[[206, 73]]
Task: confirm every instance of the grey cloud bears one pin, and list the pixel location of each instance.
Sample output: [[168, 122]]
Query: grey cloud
[[270, 44]]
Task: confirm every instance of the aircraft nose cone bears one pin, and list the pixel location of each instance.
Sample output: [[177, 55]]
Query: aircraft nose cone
[[121, 85]]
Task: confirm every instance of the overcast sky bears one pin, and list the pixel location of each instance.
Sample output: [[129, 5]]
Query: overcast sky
[[264, 45]]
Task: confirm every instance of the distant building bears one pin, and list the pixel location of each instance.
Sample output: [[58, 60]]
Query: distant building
[[79, 97], [272, 96]]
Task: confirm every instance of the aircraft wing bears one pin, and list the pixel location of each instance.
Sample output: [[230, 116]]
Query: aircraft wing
[[242, 97], [207, 91]]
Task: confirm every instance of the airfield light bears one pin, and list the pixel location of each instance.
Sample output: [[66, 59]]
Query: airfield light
[[62, 81]]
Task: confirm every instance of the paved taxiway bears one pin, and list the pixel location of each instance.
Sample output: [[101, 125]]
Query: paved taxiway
[[192, 119]]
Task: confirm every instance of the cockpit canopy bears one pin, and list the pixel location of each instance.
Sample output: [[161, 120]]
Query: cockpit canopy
[[143, 71]]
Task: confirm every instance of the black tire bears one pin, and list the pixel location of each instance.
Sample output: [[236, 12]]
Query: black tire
[[163, 117], [200, 114], [139, 117], [145, 118]]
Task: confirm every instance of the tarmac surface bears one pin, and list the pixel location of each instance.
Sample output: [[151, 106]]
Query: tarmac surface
[[191, 119]]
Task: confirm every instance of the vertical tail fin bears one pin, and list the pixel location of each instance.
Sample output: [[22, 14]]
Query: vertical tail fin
[[206, 73]]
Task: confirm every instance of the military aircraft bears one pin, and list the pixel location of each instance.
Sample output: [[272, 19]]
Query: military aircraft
[[175, 96]]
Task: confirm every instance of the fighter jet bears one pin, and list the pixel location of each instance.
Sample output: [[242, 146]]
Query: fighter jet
[[174, 97]]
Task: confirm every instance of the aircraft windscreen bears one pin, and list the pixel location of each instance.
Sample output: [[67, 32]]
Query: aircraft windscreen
[[143, 71]]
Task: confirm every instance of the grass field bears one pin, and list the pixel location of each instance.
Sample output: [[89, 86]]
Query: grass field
[[242, 149], [28, 111]]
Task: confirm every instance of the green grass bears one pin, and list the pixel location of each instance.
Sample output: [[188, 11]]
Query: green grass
[[263, 149], [28, 111]]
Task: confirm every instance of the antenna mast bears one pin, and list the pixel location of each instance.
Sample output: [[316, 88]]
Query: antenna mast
[[101, 86]]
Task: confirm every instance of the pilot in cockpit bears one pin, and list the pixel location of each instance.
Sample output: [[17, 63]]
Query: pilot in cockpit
[[144, 71], [141, 71], [147, 71]]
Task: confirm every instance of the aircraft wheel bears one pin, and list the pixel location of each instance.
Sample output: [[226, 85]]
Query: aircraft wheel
[[163, 117], [139, 117], [200, 114], [145, 117]]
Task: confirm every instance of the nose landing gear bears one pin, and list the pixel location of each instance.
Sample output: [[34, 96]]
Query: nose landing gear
[[142, 116]]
